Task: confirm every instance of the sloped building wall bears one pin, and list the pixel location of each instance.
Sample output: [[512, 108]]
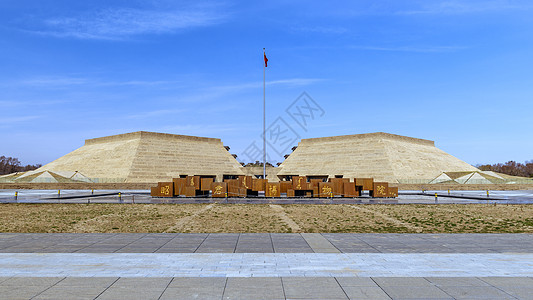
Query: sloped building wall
[[169, 155], [147, 157], [382, 156], [99, 158]]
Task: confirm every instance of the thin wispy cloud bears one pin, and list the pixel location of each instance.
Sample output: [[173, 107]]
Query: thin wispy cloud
[[421, 49], [466, 7], [123, 23], [9, 103], [16, 120], [426, 7], [154, 113], [295, 81], [31, 102], [320, 29], [291, 82], [140, 83], [210, 93], [200, 130], [66, 81], [53, 81]]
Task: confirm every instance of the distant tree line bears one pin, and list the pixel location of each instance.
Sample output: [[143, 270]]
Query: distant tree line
[[10, 165], [510, 168], [258, 164]]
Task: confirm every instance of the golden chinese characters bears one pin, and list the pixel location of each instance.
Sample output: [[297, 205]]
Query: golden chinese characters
[[218, 190]]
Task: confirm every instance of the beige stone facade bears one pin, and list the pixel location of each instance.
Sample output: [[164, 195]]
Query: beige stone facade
[[382, 156], [152, 157], [147, 157]]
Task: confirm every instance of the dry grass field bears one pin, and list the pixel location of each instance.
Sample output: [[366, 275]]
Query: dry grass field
[[473, 218]]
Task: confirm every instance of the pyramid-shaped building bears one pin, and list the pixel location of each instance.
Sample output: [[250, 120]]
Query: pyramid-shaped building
[[146, 157], [382, 156]]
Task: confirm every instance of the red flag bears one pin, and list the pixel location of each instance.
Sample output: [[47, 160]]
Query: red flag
[[266, 59]]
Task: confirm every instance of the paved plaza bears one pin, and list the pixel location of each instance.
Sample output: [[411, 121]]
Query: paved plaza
[[266, 266], [143, 196], [264, 243]]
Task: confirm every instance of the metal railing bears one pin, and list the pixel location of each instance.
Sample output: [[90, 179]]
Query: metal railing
[[470, 181], [66, 180]]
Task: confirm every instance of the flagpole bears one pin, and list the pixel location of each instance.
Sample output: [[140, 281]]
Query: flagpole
[[264, 118]]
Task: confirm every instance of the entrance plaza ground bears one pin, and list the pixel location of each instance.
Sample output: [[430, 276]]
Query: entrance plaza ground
[[266, 266]]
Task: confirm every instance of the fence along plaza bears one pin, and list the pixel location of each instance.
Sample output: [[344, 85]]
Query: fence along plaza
[[292, 186]]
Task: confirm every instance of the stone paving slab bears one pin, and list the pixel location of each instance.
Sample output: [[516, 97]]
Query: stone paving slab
[[476, 292], [261, 288], [365, 292], [265, 243], [313, 288], [254, 288], [319, 243], [265, 265], [364, 266]]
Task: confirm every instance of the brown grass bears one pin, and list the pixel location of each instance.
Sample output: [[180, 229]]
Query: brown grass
[[444, 218]]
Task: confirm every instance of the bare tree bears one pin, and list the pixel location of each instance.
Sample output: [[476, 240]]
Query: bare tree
[[10, 165], [510, 168]]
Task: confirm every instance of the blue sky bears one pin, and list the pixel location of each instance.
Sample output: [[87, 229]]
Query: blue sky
[[457, 72]]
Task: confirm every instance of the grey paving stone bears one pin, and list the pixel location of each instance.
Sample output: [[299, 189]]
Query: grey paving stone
[[178, 242], [290, 241], [356, 281], [411, 287], [456, 281], [475, 292], [348, 243], [319, 243], [508, 281], [145, 245], [206, 292], [254, 250], [198, 282], [312, 288], [254, 288], [105, 245], [189, 241], [2, 279], [215, 244], [97, 250], [32, 281], [402, 281], [137, 250], [365, 292], [520, 292], [415, 292], [130, 293], [70, 293], [20, 250], [293, 250], [175, 250], [59, 250], [87, 282], [215, 250], [191, 235], [152, 282], [20, 292], [359, 250]]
